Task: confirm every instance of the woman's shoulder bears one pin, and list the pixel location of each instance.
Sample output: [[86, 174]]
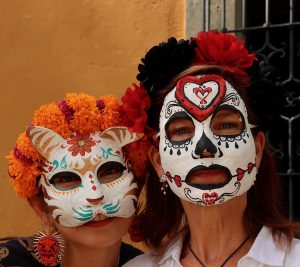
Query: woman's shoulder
[[145, 260], [293, 254], [18, 252]]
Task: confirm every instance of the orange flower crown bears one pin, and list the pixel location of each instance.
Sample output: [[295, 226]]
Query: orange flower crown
[[79, 113]]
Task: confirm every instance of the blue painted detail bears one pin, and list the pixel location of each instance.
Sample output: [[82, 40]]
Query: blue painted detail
[[90, 211], [111, 208], [104, 153], [63, 163], [107, 205], [112, 211], [87, 215], [109, 151], [55, 164]]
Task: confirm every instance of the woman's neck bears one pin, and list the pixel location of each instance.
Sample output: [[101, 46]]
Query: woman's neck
[[77, 256], [216, 231]]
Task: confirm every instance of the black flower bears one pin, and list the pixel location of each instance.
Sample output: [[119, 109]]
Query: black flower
[[163, 62]]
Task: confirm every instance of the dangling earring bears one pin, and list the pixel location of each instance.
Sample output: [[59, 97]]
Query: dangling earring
[[163, 180], [136, 229], [48, 246]]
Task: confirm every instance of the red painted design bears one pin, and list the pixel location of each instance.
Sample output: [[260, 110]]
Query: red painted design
[[48, 250], [202, 93], [90, 176], [177, 180], [169, 176], [201, 113], [94, 188], [209, 199], [95, 201], [240, 174], [50, 168], [80, 144], [250, 167], [118, 152]]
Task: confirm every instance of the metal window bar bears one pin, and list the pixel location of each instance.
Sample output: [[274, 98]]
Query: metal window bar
[[291, 99]]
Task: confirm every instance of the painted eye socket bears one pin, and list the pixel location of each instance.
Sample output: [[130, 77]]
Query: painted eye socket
[[180, 129], [227, 121], [65, 180], [110, 171]]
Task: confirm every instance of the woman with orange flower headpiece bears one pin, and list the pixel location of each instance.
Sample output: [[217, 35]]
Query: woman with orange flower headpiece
[[213, 196], [76, 167]]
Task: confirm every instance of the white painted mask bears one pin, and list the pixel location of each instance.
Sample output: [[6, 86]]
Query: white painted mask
[[206, 146], [86, 175]]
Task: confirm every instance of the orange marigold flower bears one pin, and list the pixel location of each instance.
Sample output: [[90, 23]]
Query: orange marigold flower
[[85, 121], [110, 115], [23, 177], [80, 144], [86, 113], [50, 116], [81, 101], [26, 148]]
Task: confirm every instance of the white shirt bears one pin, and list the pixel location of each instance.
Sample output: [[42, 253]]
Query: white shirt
[[263, 253]]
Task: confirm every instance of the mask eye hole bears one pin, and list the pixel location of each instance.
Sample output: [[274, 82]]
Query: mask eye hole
[[65, 180], [110, 171], [180, 129], [227, 122]]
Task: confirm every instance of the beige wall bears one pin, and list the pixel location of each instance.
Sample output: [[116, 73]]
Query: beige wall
[[48, 48]]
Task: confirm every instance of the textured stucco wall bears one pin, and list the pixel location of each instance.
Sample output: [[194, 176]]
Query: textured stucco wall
[[48, 48]]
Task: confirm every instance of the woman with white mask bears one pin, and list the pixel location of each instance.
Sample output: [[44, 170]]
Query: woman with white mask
[[213, 196], [76, 166]]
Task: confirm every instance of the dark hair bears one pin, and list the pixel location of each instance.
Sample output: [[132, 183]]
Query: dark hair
[[164, 214]]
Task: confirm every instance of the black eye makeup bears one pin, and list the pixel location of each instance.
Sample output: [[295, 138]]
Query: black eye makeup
[[227, 121], [180, 127]]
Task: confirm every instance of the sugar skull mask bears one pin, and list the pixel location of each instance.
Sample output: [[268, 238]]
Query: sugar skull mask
[[206, 146], [86, 175]]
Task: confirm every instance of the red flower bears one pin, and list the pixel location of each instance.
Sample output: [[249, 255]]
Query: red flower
[[80, 144], [222, 49], [136, 102]]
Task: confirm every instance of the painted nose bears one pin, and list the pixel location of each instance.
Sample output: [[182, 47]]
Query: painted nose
[[95, 201], [205, 148]]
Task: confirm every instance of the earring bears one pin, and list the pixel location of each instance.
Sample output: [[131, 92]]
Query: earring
[[136, 229], [163, 180], [48, 246]]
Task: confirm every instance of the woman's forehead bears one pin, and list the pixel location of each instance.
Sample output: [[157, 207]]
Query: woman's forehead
[[200, 96]]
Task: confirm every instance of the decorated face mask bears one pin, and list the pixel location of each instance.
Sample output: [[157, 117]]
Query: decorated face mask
[[206, 146], [86, 175]]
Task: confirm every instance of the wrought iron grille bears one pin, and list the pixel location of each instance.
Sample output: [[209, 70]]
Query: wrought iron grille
[[271, 29]]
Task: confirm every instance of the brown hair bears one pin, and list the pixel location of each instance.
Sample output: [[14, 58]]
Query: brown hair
[[164, 215]]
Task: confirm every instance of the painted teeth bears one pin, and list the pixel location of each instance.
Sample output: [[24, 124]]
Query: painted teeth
[[99, 217]]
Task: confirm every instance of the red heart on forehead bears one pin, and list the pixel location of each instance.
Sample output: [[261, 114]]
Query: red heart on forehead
[[209, 199], [210, 97], [204, 92]]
